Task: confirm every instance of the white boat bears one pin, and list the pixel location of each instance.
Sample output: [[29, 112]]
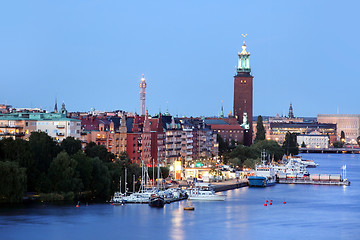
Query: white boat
[[309, 163], [264, 175], [293, 166], [198, 194]]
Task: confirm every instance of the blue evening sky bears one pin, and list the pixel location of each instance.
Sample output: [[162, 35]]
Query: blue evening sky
[[92, 54]]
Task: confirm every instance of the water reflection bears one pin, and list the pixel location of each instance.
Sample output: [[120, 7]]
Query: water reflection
[[322, 212], [176, 226]]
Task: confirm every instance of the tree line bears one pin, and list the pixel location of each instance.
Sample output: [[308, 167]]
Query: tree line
[[62, 171]]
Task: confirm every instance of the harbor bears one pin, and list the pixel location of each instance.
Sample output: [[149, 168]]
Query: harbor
[[333, 210], [291, 170]]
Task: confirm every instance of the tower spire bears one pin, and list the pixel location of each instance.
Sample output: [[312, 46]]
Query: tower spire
[[55, 108], [142, 95], [244, 59], [291, 112], [222, 110]]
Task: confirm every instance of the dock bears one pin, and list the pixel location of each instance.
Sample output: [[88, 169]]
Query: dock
[[312, 182], [229, 185]]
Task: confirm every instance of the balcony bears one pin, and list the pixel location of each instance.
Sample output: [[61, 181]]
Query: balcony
[[11, 126], [60, 126], [189, 141], [60, 134], [12, 134], [100, 139]]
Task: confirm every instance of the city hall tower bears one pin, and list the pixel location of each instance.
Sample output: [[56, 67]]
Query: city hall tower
[[243, 94]]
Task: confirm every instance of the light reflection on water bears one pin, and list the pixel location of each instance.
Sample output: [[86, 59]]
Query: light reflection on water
[[317, 212]]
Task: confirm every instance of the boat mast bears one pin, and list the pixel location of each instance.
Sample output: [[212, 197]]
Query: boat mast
[[158, 176], [125, 181], [153, 173], [133, 183]]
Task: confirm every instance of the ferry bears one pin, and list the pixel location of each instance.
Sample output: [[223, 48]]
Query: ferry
[[264, 175]]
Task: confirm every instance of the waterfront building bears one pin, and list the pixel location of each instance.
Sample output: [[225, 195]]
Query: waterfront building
[[122, 143], [146, 142], [21, 124], [313, 140], [228, 128], [157, 140], [173, 139], [243, 94], [348, 123]]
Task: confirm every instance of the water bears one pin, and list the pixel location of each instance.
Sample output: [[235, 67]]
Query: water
[[311, 212]]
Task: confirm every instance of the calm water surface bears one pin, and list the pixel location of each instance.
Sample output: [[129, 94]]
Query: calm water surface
[[311, 212]]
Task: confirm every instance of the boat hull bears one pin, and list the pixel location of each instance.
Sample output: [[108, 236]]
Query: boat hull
[[157, 202], [256, 181], [208, 198]]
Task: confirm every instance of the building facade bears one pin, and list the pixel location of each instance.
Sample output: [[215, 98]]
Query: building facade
[[348, 123], [56, 125], [243, 94]]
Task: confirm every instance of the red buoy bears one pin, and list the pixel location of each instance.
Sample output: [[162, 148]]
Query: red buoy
[[270, 200], [77, 205], [284, 202], [265, 204], [266, 201], [270, 203]]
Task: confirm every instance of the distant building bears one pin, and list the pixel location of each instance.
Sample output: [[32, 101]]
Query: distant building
[[228, 128], [56, 125], [349, 123], [313, 140]]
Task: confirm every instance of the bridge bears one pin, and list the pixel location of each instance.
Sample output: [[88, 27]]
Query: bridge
[[330, 150]]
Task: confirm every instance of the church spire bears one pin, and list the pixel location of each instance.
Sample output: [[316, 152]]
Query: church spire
[[291, 112], [55, 108], [222, 110]]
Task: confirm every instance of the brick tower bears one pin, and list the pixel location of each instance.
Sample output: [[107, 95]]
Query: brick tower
[[243, 94]]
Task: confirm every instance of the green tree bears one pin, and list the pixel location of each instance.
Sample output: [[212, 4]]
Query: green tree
[[43, 150], [71, 145], [290, 145], [271, 147], [92, 150], [13, 182], [260, 130], [242, 153], [63, 175], [84, 167], [223, 146], [303, 145], [251, 163], [100, 183], [338, 144]]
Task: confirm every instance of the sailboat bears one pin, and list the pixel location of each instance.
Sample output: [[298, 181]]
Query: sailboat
[[156, 200]]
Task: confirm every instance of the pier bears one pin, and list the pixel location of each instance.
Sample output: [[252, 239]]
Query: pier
[[229, 185], [312, 182]]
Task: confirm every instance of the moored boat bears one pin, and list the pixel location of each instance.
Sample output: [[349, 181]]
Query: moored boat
[[156, 201], [199, 194], [264, 175]]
